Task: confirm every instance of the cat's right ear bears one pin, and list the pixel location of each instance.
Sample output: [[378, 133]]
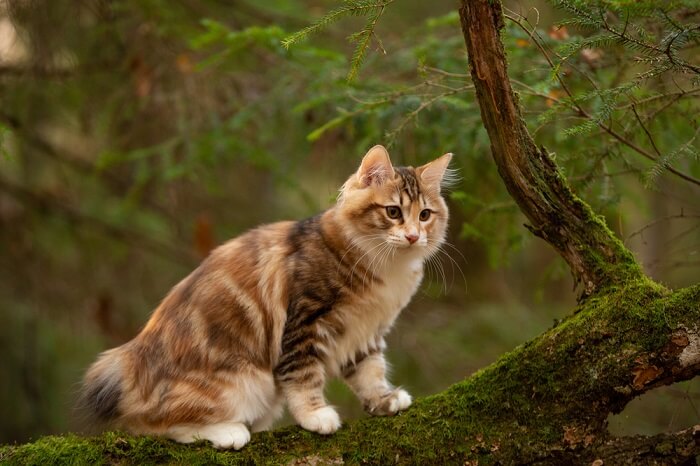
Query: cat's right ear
[[376, 167]]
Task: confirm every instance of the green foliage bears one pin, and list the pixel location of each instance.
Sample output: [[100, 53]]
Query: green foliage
[[604, 102], [661, 48], [233, 43], [349, 8], [601, 92], [371, 8], [686, 150]]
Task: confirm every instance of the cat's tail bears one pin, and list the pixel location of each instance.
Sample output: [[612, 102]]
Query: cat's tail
[[102, 389]]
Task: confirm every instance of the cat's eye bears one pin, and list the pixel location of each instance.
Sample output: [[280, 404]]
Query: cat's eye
[[393, 211], [424, 215]]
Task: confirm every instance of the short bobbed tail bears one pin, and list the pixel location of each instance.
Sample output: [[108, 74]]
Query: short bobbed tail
[[102, 391]]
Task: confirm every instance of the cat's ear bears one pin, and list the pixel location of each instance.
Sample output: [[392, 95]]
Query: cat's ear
[[435, 174], [376, 167]]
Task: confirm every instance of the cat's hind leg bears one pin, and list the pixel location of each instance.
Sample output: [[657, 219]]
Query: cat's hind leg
[[274, 413], [222, 435], [221, 414]]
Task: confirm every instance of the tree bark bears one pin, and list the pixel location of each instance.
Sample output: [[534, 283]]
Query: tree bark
[[597, 259], [545, 402]]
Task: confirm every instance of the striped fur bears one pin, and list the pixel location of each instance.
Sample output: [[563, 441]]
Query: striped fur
[[270, 315]]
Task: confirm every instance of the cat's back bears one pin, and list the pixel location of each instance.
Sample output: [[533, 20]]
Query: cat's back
[[249, 267], [261, 249], [235, 301]]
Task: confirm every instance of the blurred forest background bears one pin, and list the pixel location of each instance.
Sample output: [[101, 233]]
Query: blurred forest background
[[135, 135]]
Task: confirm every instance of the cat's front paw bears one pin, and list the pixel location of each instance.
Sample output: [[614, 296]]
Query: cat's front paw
[[322, 420], [389, 404]]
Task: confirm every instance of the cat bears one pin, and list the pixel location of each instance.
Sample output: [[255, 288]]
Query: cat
[[273, 313]]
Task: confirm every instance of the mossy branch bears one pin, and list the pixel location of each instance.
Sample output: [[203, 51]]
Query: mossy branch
[[545, 402]]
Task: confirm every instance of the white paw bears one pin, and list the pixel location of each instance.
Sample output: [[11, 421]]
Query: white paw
[[322, 420], [226, 435], [389, 404], [400, 401]]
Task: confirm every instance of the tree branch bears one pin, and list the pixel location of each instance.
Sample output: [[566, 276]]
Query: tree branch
[[678, 448], [546, 403], [595, 256], [607, 128]]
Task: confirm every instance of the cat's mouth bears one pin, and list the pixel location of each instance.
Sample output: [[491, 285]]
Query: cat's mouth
[[407, 245]]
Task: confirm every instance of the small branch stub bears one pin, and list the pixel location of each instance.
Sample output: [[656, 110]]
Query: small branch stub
[[690, 341]]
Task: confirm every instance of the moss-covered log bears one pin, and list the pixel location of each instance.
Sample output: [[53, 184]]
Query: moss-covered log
[[547, 401]]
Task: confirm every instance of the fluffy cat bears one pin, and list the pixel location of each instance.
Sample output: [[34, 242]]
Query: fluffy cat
[[270, 315]]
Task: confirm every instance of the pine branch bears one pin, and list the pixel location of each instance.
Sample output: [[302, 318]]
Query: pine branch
[[669, 51], [413, 115], [363, 39], [583, 113], [664, 161], [349, 8]]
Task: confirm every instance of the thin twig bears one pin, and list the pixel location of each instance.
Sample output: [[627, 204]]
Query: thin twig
[[587, 115], [674, 95], [661, 220], [646, 131], [425, 104]]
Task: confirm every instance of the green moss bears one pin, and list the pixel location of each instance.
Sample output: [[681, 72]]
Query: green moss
[[607, 261]]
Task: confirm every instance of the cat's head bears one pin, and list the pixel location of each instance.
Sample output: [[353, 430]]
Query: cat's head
[[397, 207]]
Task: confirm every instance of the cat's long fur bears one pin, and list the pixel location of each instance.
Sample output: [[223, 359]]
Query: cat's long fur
[[270, 315]]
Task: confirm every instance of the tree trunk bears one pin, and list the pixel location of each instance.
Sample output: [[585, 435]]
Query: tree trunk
[[545, 402], [597, 259]]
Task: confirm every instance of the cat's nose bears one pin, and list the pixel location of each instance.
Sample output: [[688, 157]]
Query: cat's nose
[[412, 237]]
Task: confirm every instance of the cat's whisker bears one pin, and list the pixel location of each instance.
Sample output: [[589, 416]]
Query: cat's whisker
[[429, 270], [454, 248], [455, 263], [377, 255], [432, 270], [389, 251], [439, 268], [435, 258], [358, 261], [355, 243], [369, 267], [440, 250]]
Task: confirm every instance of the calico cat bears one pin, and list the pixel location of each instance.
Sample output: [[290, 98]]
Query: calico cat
[[270, 315]]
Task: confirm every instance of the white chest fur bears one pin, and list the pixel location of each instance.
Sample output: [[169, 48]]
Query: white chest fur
[[372, 315]]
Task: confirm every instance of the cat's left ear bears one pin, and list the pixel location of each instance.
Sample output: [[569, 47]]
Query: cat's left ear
[[432, 174]]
